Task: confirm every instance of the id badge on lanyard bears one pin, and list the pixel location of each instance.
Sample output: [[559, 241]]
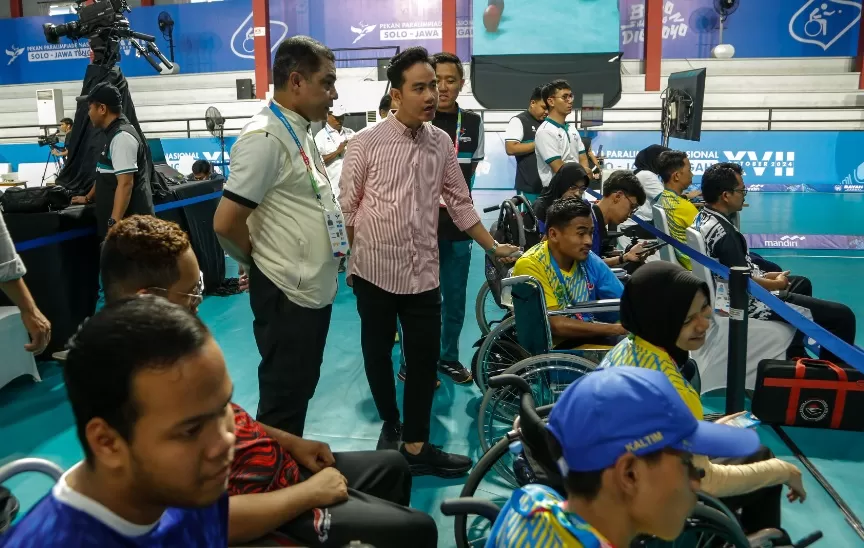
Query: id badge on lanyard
[[333, 219]]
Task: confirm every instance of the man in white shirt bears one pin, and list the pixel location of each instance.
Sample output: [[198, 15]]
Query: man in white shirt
[[331, 142], [279, 219], [557, 142]]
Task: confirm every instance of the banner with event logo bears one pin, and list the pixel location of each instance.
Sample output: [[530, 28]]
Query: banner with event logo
[[764, 28], [773, 161], [218, 37]]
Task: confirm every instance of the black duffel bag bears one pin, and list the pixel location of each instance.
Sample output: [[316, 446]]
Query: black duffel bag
[[35, 200], [809, 393]]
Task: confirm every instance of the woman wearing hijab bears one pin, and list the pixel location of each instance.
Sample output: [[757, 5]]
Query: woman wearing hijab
[[570, 182], [667, 311]]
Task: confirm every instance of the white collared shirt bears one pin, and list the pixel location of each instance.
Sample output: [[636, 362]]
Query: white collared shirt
[[328, 140]]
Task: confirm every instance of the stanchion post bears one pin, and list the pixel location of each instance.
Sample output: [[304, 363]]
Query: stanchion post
[[739, 301]]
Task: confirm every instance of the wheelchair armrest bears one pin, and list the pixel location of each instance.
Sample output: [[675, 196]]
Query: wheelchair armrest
[[603, 305], [468, 506], [515, 280], [30, 465], [764, 537]]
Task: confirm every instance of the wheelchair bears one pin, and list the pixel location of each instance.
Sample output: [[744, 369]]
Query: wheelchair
[[710, 524], [516, 225], [522, 345]]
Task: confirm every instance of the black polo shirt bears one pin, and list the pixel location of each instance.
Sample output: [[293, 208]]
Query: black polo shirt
[[471, 151]]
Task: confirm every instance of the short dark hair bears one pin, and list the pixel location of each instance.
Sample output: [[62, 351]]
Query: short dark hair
[[585, 485], [734, 167], [563, 210], [67, 121], [448, 58], [201, 166], [553, 87], [669, 162], [718, 179], [122, 339], [298, 54], [624, 181], [385, 103], [141, 251], [537, 94], [403, 61]]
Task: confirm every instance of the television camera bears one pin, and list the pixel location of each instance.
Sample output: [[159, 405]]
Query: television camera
[[103, 23], [49, 140]]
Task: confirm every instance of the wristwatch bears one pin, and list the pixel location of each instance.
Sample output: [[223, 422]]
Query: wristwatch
[[491, 250], [111, 222]]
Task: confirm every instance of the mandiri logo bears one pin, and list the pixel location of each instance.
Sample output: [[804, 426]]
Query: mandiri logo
[[823, 22], [785, 241]]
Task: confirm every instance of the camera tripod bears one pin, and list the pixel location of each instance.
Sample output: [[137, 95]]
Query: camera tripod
[[58, 163]]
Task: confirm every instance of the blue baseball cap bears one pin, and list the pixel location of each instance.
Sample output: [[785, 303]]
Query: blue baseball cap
[[619, 410]]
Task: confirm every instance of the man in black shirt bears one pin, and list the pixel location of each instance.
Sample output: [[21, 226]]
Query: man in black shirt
[[453, 244], [122, 185], [622, 195], [519, 142], [724, 192]]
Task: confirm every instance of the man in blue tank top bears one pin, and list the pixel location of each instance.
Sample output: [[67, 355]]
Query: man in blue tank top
[[151, 398]]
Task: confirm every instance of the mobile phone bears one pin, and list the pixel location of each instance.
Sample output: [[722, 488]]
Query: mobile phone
[[600, 150], [747, 420], [652, 246]]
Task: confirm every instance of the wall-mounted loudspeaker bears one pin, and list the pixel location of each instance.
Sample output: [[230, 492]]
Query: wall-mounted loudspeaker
[[245, 90]]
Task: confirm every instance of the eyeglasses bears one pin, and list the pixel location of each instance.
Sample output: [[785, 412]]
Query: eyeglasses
[[195, 298], [743, 191], [693, 471]]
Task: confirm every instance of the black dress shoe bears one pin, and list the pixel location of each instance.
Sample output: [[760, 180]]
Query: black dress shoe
[[391, 435]]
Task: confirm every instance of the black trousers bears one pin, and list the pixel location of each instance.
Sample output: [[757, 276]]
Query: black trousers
[[760, 509], [420, 317], [291, 341], [836, 318], [376, 512]]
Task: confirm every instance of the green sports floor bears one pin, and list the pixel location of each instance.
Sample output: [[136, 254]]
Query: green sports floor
[[35, 418]]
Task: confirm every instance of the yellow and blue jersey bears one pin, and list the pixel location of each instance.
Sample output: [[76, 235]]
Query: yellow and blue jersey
[[637, 352], [680, 213], [535, 517]]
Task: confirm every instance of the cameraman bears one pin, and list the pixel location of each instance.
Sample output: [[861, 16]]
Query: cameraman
[[66, 131], [122, 185]]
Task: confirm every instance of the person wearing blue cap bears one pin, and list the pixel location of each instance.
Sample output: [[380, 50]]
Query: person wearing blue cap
[[667, 311], [625, 443]]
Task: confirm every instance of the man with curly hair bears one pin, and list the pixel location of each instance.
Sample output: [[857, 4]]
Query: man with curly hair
[[281, 485]]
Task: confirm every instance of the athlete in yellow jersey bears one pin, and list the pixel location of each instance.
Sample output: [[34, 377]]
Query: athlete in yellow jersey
[[674, 169], [623, 440]]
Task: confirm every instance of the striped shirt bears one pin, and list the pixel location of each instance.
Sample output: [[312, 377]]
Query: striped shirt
[[389, 191]]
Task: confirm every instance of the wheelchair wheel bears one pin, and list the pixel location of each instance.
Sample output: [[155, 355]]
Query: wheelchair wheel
[[500, 350], [473, 531], [486, 310], [548, 375], [706, 527]]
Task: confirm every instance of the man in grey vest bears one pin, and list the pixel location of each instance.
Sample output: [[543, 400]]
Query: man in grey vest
[[519, 142]]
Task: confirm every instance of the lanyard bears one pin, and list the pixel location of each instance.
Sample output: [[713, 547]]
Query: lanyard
[[458, 130], [278, 113], [563, 281]]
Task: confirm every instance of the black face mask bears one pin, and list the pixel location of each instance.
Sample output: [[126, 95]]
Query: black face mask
[[655, 303]]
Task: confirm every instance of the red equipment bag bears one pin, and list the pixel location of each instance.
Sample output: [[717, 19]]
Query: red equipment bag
[[809, 393]]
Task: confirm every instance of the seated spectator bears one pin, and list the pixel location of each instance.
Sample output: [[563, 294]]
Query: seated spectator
[[624, 442], [622, 195], [667, 312], [150, 394], [571, 274], [724, 194], [279, 483], [570, 182], [674, 169], [201, 171]]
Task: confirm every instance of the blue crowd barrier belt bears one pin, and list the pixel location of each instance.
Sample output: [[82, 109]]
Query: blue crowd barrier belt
[[852, 355], [81, 232]]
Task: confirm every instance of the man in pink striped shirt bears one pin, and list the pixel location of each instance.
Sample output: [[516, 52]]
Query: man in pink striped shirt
[[392, 179]]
